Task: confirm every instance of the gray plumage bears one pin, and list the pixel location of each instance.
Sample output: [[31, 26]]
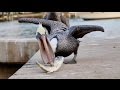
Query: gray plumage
[[66, 36]]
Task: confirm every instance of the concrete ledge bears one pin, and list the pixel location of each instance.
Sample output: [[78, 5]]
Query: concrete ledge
[[17, 50]]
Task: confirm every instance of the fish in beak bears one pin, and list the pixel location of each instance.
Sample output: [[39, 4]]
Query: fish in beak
[[53, 63]]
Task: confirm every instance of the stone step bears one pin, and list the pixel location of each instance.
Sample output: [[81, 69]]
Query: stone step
[[17, 50]]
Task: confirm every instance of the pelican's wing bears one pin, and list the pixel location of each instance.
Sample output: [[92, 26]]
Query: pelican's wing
[[81, 30], [54, 25]]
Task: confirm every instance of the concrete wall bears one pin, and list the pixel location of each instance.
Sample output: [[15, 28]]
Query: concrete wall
[[17, 50]]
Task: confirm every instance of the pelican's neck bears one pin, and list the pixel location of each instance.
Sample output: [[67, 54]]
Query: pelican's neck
[[53, 44]]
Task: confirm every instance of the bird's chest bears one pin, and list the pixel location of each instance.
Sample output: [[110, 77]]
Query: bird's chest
[[66, 46]]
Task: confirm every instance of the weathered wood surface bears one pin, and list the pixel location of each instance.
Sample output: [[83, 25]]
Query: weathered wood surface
[[95, 61]]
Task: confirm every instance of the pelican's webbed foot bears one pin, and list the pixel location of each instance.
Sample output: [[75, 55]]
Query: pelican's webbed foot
[[73, 61]]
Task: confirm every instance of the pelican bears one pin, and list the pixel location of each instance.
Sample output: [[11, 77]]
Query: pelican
[[61, 41]]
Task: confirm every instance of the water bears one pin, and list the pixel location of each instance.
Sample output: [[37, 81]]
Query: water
[[13, 29], [6, 70]]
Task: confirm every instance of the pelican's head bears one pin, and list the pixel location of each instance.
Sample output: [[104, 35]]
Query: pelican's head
[[40, 31], [45, 47]]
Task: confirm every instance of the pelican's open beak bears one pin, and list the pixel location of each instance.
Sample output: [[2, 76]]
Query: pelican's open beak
[[47, 53], [53, 63], [45, 49]]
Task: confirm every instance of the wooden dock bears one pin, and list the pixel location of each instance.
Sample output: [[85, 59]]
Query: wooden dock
[[95, 61]]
